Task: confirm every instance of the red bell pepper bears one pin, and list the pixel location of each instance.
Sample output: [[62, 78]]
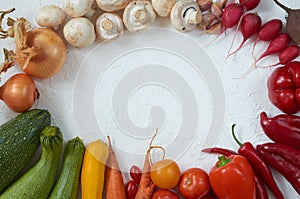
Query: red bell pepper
[[284, 129], [284, 87], [261, 191], [233, 178]]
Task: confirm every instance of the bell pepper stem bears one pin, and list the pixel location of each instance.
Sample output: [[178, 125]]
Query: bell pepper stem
[[234, 136], [223, 161]]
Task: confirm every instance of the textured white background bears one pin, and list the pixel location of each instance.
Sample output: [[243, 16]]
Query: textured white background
[[244, 98]]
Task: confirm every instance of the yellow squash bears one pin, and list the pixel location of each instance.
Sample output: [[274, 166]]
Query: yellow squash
[[93, 170]]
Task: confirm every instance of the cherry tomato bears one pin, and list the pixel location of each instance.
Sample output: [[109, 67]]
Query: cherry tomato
[[164, 194], [194, 183], [135, 174], [165, 174], [130, 189]]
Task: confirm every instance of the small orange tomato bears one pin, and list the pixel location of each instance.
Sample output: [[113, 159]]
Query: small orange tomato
[[165, 174]]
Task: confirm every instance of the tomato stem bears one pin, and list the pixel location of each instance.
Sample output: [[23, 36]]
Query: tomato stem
[[188, 181]]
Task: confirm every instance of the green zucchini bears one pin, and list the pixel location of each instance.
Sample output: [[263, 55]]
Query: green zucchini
[[38, 181], [68, 181], [19, 141]]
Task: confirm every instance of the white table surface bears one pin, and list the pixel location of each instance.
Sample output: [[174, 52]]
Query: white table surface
[[129, 91]]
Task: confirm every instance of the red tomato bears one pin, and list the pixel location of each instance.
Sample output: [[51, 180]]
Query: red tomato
[[135, 174], [194, 183], [165, 174], [164, 194], [130, 189]]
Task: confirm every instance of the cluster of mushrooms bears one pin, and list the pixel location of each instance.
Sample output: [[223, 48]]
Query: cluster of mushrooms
[[134, 15]]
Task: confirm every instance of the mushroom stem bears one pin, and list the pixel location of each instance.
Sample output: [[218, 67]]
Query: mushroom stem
[[140, 15], [55, 28], [193, 16], [107, 24], [90, 13]]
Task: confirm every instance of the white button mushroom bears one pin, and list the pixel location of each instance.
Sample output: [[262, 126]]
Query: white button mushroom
[[112, 5], [138, 15], [185, 15], [109, 26], [79, 32], [50, 16], [163, 7], [78, 8]]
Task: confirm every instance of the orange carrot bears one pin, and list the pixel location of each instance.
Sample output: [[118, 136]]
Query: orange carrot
[[114, 185], [146, 186]]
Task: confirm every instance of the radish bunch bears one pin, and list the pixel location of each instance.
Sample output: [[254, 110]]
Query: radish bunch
[[250, 24]]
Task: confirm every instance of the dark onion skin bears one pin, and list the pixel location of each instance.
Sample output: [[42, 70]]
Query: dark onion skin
[[19, 93]]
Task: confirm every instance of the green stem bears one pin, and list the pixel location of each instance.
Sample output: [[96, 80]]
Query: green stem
[[223, 161], [235, 138]]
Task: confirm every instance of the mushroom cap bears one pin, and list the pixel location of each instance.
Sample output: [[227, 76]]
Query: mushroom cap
[[185, 15], [79, 32], [50, 15], [112, 5], [109, 26], [138, 15], [77, 8], [163, 7]]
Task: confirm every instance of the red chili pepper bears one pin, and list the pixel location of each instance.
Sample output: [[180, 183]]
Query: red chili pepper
[[259, 165], [290, 154], [279, 158], [226, 152], [261, 192], [233, 178], [283, 87], [283, 129]]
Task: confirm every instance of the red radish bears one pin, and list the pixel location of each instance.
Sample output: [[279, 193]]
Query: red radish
[[250, 25], [135, 173], [131, 189], [249, 4], [276, 46], [231, 16], [268, 31], [288, 54]]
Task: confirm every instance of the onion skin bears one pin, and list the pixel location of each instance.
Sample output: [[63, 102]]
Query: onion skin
[[19, 93], [42, 54]]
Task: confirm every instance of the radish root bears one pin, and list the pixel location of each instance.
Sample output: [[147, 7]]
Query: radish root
[[234, 36]]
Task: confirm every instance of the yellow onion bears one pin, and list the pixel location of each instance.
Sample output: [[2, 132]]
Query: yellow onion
[[40, 52], [19, 93]]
